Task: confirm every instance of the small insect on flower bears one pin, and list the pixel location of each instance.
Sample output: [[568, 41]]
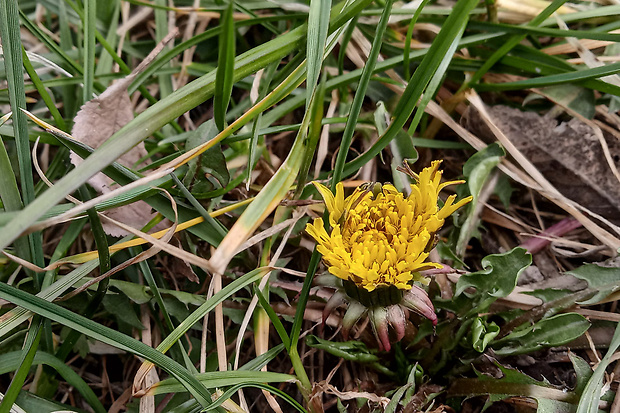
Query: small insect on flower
[[378, 246]]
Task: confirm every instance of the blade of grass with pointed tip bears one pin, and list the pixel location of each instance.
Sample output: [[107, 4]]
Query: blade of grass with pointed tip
[[224, 78], [234, 389], [209, 305], [314, 134], [449, 35], [160, 114], [274, 318], [318, 24], [34, 78], [105, 335]]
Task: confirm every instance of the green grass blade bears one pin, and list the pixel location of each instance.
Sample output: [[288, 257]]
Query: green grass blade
[[160, 114], [224, 77], [275, 320], [10, 361], [13, 64], [513, 41], [161, 30], [105, 335], [318, 25], [219, 379], [28, 353], [209, 305], [408, 37], [150, 280], [34, 78], [90, 21], [445, 40], [591, 395], [572, 77], [360, 94]]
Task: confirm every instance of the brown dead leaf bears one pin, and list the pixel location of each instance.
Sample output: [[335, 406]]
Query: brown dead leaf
[[568, 154], [100, 118]]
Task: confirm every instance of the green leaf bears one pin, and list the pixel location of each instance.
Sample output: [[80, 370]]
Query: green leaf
[[514, 383], [122, 309], [549, 294], [575, 97], [583, 372], [210, 163], [348, 350], [477, 170], [482, 333], [606, 280], [318, 25], [548, 332], [360, 95], [447, 39], [224, 77], [499, 276], [106, 335], [219, 379], [591, 395]]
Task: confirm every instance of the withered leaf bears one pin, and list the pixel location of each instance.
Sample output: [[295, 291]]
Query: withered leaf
[[568, 154], [100, 118]]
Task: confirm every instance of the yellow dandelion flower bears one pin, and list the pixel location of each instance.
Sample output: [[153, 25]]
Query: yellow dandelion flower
[[380, 237], [377, 248]]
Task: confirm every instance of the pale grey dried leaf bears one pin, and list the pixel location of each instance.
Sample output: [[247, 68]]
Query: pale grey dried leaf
[[568, 154], [100, 118]]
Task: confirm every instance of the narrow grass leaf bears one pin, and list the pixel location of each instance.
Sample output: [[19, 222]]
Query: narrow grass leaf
[[408, 37], [106, 335], [512, 42], [219, 379], [89, 23], [224, 77], [591, 396], [449, 35], [160, 114], [572, 77], [275, 320], [360, 94], [10, 361], [318, 25], [13, 64]]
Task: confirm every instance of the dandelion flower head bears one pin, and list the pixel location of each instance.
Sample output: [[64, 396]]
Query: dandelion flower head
[[379, 236]]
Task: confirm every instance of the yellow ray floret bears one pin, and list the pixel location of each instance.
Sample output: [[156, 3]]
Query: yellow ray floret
[[382, 238]]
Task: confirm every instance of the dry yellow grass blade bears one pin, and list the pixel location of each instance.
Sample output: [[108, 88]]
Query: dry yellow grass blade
[[521, 11]]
